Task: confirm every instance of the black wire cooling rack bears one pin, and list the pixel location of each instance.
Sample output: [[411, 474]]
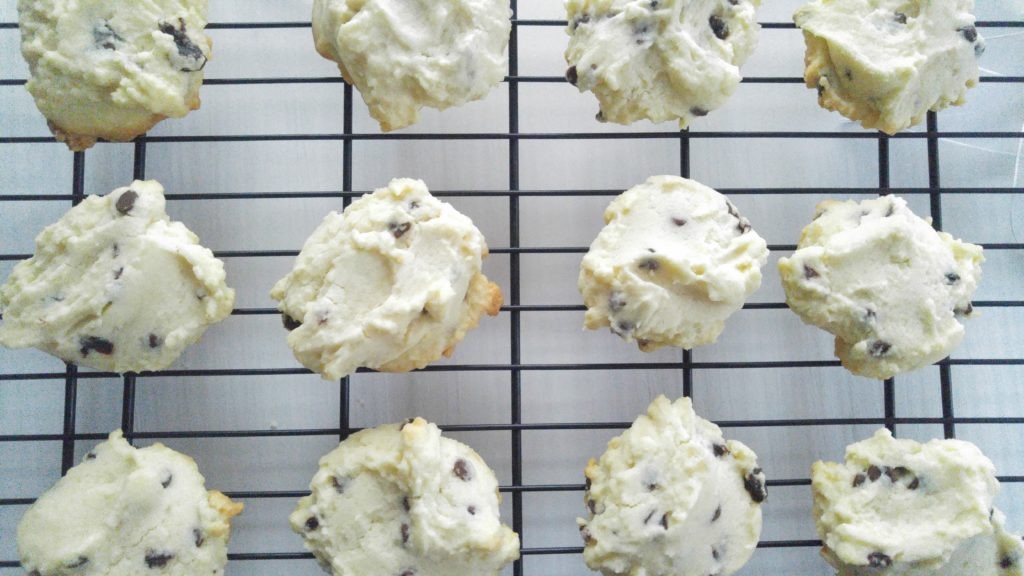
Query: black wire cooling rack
[[685, 366]]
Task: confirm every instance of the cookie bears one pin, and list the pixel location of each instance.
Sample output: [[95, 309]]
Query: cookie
[[659, 59], [901, 507], [671, 497], [674, 260], [887, 285], [402, 500], [125, 511], [112, 69], [404, 55], [886, 63], [392, 284], [115, 285]]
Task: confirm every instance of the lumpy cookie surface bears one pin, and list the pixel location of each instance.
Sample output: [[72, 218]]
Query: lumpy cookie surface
[[901, 507], [392, 284], [115, 285], [673, 262], [884, 282], [887, 63], [659, 59], [403, 55], [112, 68], [671, 497], [400, 499], [125, 511]]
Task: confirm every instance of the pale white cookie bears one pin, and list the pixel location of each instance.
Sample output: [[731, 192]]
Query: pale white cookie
[[673, 262], [884, 282], [403, 55], [392, 284], [115, 285], [671, 497], [125, 512], [112, 69], [887, 63], [401, 500], [901, 507], [659, 59]]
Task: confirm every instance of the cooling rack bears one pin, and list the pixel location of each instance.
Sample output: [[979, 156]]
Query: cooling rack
[[529, 390]]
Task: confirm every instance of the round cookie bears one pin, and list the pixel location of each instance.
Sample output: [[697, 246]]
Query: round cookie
[[900, 507], [112, 69], [403, 55], [671, 497], [392, 284], [659, 59], [884, 282], [402, 500], [125, 511], [887, 63], [674, 260], [115, 285]]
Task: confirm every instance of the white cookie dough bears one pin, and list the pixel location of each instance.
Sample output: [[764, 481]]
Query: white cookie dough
[[403, 55], [884, 282], [125, 512], [392, 284], [671, 497], [659, 59], [674, 260], [115, 285], [900, 507], [887, 63], [402, 500], [112, 68]]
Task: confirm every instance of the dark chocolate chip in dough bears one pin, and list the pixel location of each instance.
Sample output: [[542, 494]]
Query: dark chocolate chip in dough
[[914, 484], [743, 226], [463, 470], [186, 48], [964, 311], [858, 480], [471, 510], [1006, 562], [651, 486], [581, 19], [664, 520], [95, 344], [679, 221], [103, 36], [897, 473], [848, 74], [409, 572], [718, 513], [821, 92], [312, 523], [167, 479], [624, 327], [600, 116], [571, 75], [714, 553], [952, 278], [90, 456], [720, 450], [154, 341], [879, 560], [719, 27], [900, 17], [399, 230], [879, 348], [650, 264], [810, 272], [126, 202], [339, 487], [289, 322], [405, 504], [650, 515], [586, 536], [698, 111], [156, 559], [197, 537], [405, 533], [592, 506], [77, 562], [874, 473], [588, 483], [654, 4], [616, 301], [755, 486], [870, 315], [970, 33]]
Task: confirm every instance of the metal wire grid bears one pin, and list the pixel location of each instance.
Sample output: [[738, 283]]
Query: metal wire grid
[[685, 366]]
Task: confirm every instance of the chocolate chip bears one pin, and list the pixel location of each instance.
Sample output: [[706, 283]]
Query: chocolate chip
[[874, 473], [186, 48], [312, 523], [622, 328], [642, 32], [588, 484], [156, 559], [167, 480], [126, 202], [409, 572], [571, 75], [77, 563], [339, 487], [848, 73], [592, 506], [714, 553], [743, 226], [858, 480], [895, 474], [879, 560], [197, 537], [581, 19], [616, 301], [718, 513], [879, 348], [90, 456], [732, 209], [810, 272], [289, 322], [952, 278], [650, 515], [664, 521], [463, 470], [651, 486], [900, 17], [600, 116], [698, 111], [405, 504], [587, 537], [103, 36], [654, 4], [650, 264], [719, 27], [118, 273], [405, 533], [399, 230], [970, 33], [720, 450], [116, 250], [821, 92], [870, 315], [155, 341], [1006, 562], [914, 484], [679, 221], [964, 311], [95, 344], [755, 486], [471, 510], [890, 211]]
